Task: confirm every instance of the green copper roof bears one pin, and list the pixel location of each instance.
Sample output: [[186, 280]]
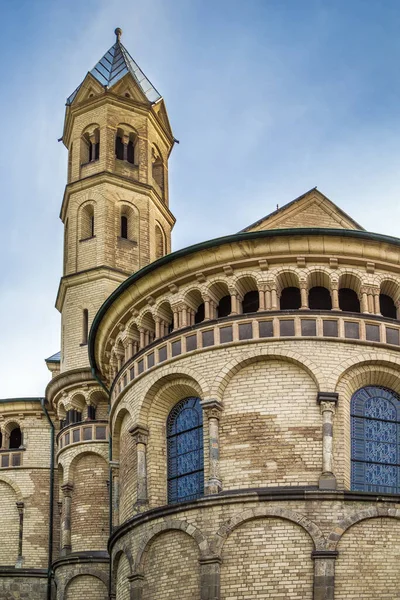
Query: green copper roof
[[116, 63]]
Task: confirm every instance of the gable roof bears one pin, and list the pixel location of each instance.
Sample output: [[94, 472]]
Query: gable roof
[[311, 209], [114, 65]]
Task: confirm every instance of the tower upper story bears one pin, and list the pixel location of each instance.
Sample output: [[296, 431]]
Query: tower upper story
[[115, 206], [118, 135]]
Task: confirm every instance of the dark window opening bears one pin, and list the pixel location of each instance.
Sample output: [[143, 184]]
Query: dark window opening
[[124, 227], [251, 302], [224, 307], [15, 438], [290, 298], [92, 226], [1, 440], [319, 298], [170, 327], [119, 148], [388, 308], [96, 151], [200, 314], [131, 153], [91, 412], [85, 326], [73, 416], [348, 300]]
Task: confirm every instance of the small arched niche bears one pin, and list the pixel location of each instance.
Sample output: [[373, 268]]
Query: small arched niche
[[319, 295], [90, 144], [290, 298], [349, 290], [389, 294], [248, 290]]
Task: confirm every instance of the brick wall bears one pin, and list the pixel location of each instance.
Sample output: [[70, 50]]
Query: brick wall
[[9, 525], [171, 568], [86, 586], [367, 566], [89, 514], [271, 427], [267, 558]]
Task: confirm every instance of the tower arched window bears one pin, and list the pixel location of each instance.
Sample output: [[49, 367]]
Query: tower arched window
[[15, 438], [85, 326], [185, 451], [125, 142], [375, 438], [87, 222], [90, 150], [124, 227]]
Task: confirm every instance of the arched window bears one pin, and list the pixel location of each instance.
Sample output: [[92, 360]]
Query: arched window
[[15, 438], [185, 451], [85, 326], [224, 307], [199, 315], [87, 222], [124, 227], [290, 298], [387, 306], [375, 438], [125, 141], [90, 145], [160, 241], [319, 298], [348, 300], [251, 302]]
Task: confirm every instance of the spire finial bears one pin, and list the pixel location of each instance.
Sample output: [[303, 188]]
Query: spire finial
[[118, 33]]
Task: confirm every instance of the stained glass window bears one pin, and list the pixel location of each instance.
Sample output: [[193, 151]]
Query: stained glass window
[[375, 440], [185, 451]]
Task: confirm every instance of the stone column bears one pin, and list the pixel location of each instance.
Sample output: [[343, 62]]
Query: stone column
[[377, 304], [261, 298], [66, 521], [335, 295], [268, 297], [364, 300], [324, 574], [274, 298], [234, 303], [20, 559], [397, 305], [210, 578], [140, 434], [142, 342], [304, 295], [212, 409], [125, 141], [157, 321], [327, 402], [114, 468], [136, 581]]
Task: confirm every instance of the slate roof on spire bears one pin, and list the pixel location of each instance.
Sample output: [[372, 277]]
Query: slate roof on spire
[[116, 63]]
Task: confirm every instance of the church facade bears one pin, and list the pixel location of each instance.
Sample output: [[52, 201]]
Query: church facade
[[222, 422]]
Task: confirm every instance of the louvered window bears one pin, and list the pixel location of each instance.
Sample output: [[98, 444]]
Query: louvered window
[[375, 439], [185, 451]]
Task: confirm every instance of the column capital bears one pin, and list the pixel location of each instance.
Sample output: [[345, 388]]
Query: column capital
[[67, 489], [212, 407], [20, 506], [210, 560], [140, 433], [329, 397], [114, 465], [315, 554]]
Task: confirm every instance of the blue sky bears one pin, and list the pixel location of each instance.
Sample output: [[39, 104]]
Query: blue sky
[[268, 98]]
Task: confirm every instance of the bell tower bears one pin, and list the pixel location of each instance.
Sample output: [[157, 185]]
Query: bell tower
[[116, 220], [115, 207]]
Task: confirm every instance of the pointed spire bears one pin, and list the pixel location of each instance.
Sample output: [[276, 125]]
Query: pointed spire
[[114, 65]]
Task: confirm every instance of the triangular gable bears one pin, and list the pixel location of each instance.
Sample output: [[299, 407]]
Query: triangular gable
[[129, 87], [312, 209], [89, 88]]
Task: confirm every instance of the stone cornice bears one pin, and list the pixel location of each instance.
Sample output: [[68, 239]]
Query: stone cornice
[[282, 494], [94, 274], [109, 98], [120, 181], [67, 379]]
